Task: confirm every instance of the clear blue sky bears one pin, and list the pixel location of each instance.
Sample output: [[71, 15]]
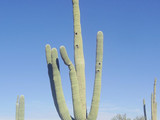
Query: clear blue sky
[[131, 54]]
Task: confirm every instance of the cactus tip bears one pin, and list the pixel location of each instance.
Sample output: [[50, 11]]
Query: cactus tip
[[22, 97], [17, 98], [143, 101], [100, 32], [155, 80], [62, 47], [54, 49], [48, 46]]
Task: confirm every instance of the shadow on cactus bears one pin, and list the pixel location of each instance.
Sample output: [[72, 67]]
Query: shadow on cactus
[[77, 74]]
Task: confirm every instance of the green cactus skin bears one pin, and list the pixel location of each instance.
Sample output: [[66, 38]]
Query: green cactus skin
[[20, 104], [98, 73], [77, 75], [78, 55], [154, 103], [77, 107], [144, 109], [17, 107], [56, 87]]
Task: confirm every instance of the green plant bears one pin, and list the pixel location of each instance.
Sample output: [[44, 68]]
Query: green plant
[[144, 109], [120, 117], [20, 108], [77, 74], [124, 117], [153, 104]]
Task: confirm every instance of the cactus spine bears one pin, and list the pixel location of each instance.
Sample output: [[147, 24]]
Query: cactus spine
[[77, 74], [20, 108], [154, 103]]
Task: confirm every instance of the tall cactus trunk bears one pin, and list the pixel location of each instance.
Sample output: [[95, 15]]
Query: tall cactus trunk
[[20, 108], [77, 74], [144, 109], [154, 103], [79, 56]]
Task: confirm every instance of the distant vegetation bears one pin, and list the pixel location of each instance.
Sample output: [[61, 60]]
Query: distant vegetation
[[124, 117]]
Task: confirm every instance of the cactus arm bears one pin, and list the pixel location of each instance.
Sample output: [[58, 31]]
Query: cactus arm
[[77, 107], [154, 100], [17, 107], [48, 54], [154, 91], [144, 109], [50, 73], [154, 103], [156, 111], [78, 55], [55, 81], [62, 107], [98, 73], [21, 108], [152, 116]]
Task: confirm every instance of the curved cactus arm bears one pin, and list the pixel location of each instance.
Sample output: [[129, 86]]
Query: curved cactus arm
[[52, 57], [21, 108], [17, 107], [78, 55], [77, 106], [98, 73]]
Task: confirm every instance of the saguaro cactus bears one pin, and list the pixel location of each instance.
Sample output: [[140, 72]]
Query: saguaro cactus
[[20, 108], [144, 109], [77, 74], [154, 103]]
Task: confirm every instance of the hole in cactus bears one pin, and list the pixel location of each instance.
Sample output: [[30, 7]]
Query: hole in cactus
[[98, 70], [99, 63], [76, 33], [77, 46]]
